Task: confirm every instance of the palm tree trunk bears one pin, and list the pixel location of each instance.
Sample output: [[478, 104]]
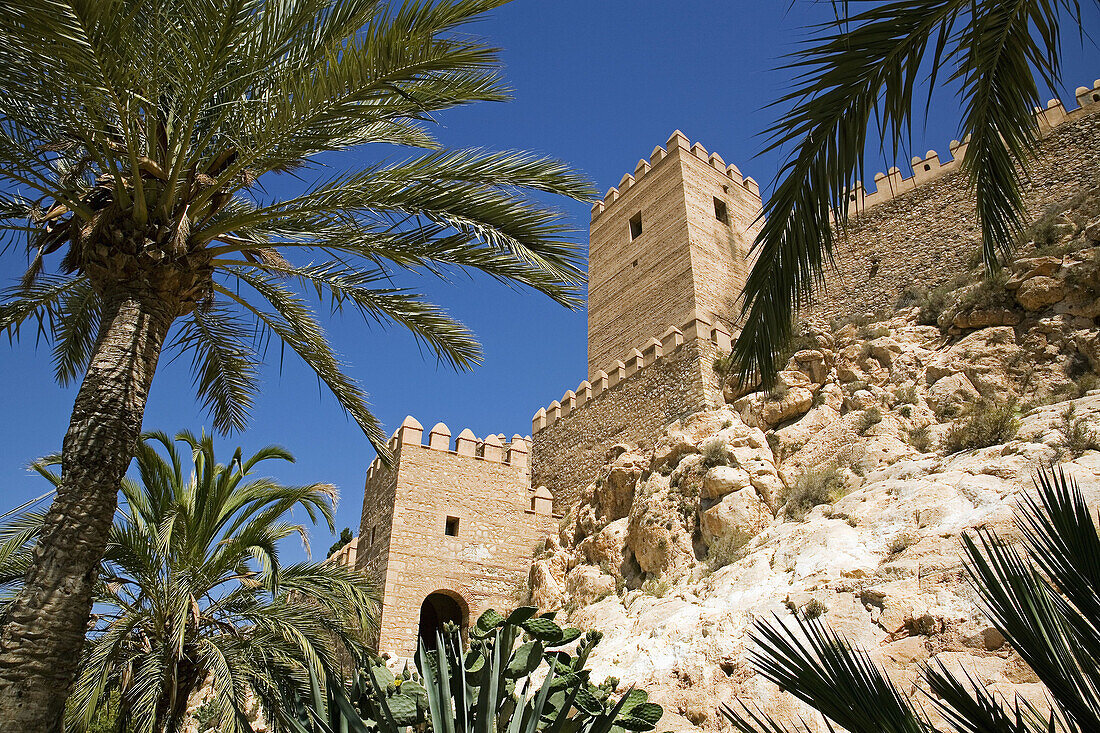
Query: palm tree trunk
[[42, 634]]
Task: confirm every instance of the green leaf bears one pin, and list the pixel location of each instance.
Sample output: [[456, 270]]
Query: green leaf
[[588, 702], [648, 712], [521, 614], [488, 621], [568, 636], [543, 629], [525, 660]]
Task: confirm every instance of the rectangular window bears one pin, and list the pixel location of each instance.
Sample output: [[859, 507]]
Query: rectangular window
[[451, 527], [720, 211], [636, 226], [372, 536]]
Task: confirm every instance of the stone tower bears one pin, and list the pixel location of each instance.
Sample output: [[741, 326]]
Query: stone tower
[[672, 240], [448, 532]]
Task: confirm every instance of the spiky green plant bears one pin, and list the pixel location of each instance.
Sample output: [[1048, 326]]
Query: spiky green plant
[[192, 590], [141, 147], [491, 687], [860, 76], [1045, 599]]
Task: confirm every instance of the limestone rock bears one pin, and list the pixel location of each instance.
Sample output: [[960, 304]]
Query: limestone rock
[[587, 584], [1038, 292], [810, 362], [546, 591], [954, 391], [735, 519], [795, 402], [722, 480]]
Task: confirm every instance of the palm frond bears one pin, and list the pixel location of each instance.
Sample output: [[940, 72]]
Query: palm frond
[[865, 71], [223, 364], [818, 667], [295, 325], [1054, 627], [369, 293]]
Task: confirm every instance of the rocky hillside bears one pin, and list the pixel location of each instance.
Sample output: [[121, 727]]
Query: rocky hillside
[[843, 493]]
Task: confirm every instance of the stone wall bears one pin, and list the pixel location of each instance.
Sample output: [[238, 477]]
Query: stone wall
[[485, 486], [925, 236], [569, 446]]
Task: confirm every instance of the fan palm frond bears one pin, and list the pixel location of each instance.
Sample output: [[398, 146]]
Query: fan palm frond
[[191, 587]]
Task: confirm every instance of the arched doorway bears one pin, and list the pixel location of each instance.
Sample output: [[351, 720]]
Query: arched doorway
[[437, 609]]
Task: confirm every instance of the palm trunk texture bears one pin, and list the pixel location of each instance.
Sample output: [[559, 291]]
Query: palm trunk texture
[[42, 635]]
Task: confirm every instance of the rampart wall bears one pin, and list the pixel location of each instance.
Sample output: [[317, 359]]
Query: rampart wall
[[922, 230], [630, 401]]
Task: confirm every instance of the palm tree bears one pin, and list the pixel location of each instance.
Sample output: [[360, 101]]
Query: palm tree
[[192, 590], [137, 141], [1045, 601], [865, 70]]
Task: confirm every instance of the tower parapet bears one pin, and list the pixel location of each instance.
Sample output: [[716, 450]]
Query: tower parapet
[[680, 227]]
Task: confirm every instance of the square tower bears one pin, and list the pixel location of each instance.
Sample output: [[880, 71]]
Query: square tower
[[448, 533], [672, 240]]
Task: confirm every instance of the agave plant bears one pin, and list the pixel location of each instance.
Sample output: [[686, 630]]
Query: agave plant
[[492, 687], [192, 591], [1045, 600]]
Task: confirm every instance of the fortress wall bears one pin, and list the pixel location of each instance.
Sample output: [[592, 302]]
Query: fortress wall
[[928, 232], [673, 378], [486, 486]]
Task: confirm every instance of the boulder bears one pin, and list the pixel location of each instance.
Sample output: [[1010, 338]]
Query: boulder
[[722, 480], [795, 402], [587, 584], [607, 549], [810, 362], [546, 591], [735, 519], [670, 448], [1039, 292], [951, 391]]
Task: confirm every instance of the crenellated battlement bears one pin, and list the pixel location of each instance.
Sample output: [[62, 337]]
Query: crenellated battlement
[[699, 326], [677, 143], [494, 448], [893, 183]]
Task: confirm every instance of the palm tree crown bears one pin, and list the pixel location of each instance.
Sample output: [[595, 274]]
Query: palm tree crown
[[192, 590], [135, 138]]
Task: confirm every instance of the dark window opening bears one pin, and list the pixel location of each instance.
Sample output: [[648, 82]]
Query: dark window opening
[[451, 527], [927, 167], [851, 197], [636, 226], [721, 213], [634, 264], [1096, 97], [372, 537]]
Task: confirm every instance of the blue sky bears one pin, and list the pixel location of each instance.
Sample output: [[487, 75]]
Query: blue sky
[[598, 83]]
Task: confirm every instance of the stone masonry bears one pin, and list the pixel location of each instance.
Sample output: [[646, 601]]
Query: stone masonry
[[918, 232], [462, 522], [671, 240]]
